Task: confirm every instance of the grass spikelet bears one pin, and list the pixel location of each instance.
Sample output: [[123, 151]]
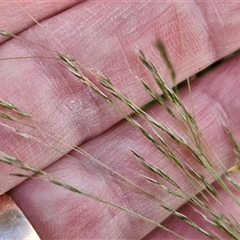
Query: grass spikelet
[[161, 49], [9, 106]]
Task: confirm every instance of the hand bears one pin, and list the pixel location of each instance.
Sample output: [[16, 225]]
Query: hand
[[102, 36]]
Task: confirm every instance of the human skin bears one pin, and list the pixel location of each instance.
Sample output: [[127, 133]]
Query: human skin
[[103, 36]]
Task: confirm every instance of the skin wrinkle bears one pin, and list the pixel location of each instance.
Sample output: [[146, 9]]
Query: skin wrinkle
[[220, 109], [124, 53], [217, 43], [211, 40], [188, 36], [129, 21]]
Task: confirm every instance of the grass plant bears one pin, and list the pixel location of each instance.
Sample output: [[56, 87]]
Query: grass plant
[[181, 142]]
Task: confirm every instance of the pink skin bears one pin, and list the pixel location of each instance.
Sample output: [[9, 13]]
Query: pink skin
[[102, 35]]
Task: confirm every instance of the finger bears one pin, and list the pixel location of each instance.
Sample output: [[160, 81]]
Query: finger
[[65, 106], [214, 108], [20, 21]]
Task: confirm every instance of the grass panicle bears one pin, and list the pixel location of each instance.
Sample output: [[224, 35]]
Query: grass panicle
[[161, 136]]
